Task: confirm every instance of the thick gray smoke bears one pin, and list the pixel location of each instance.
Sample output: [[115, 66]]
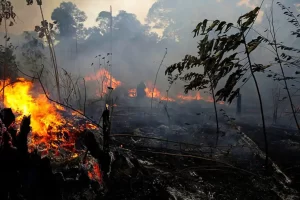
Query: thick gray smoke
[[137, 50]]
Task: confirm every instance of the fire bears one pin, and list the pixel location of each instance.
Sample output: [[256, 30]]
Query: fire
[[149, 90], [197, 97], [102, 76], [132, 93], [180, 97], [50, 130], [43, 114], [190, 97], [95, 173], [167, 99], [156, 93]]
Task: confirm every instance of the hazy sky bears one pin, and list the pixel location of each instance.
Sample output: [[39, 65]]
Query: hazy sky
[[29, 16]]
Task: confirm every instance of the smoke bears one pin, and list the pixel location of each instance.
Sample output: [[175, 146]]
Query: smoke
[[139, 41]]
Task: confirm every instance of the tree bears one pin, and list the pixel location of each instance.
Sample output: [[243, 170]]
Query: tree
[[33, 51], [8, 58], [124, 25], [218, 59], [282, 58], [103, 20], [69, 20], [46, 30]]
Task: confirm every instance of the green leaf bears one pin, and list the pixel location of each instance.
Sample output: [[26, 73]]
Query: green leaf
[[197, 29], [213, 25], [252, 45], [204, 25], [220, 27], [228, 27]]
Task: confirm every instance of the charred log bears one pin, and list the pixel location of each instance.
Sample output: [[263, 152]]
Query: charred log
[[95, 150], [7, 116], [22, 139]]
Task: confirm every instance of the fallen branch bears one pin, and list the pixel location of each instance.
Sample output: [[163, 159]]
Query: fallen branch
[[214, 169]]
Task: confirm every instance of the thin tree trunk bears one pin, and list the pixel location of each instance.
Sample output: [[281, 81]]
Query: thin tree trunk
[[215, 108], [157, 75], [84, 104], [282, 71], [260, 101], [52, 54], [5, 59]]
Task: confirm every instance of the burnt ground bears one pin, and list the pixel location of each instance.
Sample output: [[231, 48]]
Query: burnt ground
[[145, 169], [156, 173], [284, 148]]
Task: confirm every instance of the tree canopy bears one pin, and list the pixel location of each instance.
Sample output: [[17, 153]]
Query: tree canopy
[[69, 20]]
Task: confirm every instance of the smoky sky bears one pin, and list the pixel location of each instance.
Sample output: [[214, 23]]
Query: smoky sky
[[29, 16], [138, 50]]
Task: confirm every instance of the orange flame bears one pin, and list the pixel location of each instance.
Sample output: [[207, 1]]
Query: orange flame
[[95, 173], [102, 76], [189, 97], [49, 129], [156, 93], [180, 97], [132, 93], [43, 114], [149, 89]]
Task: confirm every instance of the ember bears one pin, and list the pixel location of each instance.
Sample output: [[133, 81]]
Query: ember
[[95, 173]]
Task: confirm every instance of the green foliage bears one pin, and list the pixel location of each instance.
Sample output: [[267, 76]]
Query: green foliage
[[46, 29], [32, 51], [69, 20], [217, 58], [291, 19], [7, 12], [8, 59], [254, 44]]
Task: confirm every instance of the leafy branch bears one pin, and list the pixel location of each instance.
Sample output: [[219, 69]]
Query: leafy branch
[[217, 58]]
